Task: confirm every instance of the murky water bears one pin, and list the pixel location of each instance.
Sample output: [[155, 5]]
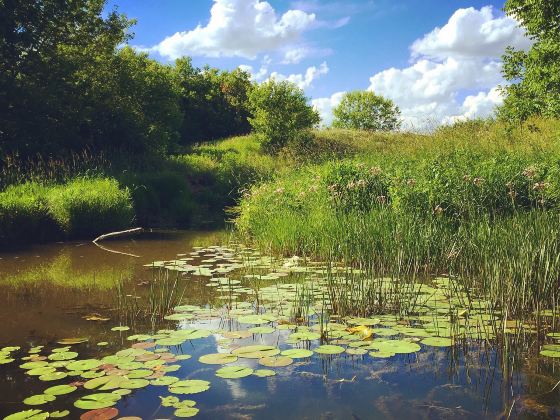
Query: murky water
[[49, 291]]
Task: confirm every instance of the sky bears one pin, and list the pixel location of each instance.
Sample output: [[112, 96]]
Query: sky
[[438, 60]]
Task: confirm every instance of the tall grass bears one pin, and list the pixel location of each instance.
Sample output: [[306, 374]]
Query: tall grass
[[475, 202]]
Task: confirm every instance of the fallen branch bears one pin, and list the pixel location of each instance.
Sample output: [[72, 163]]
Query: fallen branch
[[115, 252], [115, 234]]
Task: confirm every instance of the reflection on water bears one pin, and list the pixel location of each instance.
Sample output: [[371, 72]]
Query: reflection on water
[[47, 291]]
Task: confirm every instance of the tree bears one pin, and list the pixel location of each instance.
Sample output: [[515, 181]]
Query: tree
[[364, 110], [214, 103], [280, 113], [534, 75]]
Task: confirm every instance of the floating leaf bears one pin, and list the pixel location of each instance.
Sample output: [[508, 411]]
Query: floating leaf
[[120, 328], [39, 399], [437, 342], [59, 414], [191, 386], [264, 373], [86, 364], [276, 361], [217, 358], [297, 353], [186, 412], [329, 349], [95, 401], [100, 414], [72, 341], [28, 415], [165, 381], [60, 390], [234, 372], [395, 346]]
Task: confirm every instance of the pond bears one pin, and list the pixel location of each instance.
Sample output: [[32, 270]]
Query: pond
[[181, 324]]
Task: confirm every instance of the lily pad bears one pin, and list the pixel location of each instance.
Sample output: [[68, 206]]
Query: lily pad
[[28, 415], [437, 342], [86, 364], [264, 373], [276, 361], [95, 401], [234, 372], [256, 351], [39, 399], [186, 412], [297, 353], [217, 358], [191, 386], [329, 349], [100, 414], [60, 390], [72, 341], [120, 328]]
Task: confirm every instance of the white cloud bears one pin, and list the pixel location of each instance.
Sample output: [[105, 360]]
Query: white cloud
[[324, 106], [462, 56], [242, 28], [304, 80], [295, 55], [472, 33]]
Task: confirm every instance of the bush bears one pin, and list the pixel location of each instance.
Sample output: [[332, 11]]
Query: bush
[[24, 214], [89, 207], [364, 110], [280, 114]]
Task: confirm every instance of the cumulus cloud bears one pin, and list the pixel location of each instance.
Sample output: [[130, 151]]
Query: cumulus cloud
[[242, 28], [324, 106], [462, 56], [303, 80], [472, 33]]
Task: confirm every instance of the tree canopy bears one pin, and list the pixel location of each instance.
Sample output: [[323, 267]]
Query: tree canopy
[[364, 110], [534, 75]]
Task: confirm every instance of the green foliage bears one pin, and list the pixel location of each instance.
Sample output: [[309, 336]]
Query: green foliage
[[364, 110], [213, 102], [24, 214], [534, 75], [280, 114], [89, 207]]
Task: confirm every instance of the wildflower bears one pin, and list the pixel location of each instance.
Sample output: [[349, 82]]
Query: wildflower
[[333, 187], [361, 165], [539, 186], [361, 183], [411, 182], [381, 199], [530, 172], [478, 181], [279, 190], [351, 185], [301, 194], [467, 178], [375, 170], [438, 210], [314, 188]]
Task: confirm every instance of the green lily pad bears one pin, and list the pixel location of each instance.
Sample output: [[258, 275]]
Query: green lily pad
[[39, 399], [234, 372], [437, 342], [217, 358], [329, 349], [134, 383], [72, 341], [165, 381], [381, 354], [60, 390], [95, 401], [68, 355], [53, 376], [82, 365], [186, 412], [264, 373], [179, 317], [28, 415], [59, 414], [276, 361], [304, 336], [169, 401], [550, 353], [120, 328], [256, 319], [297, 353], [191, 386]]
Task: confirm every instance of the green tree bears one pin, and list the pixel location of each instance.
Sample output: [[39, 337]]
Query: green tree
[[534, 75], [45, 48], [280, 113], [213, 102], [364, 110]]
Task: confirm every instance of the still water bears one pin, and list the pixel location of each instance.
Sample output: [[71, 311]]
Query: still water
[[49, 292]]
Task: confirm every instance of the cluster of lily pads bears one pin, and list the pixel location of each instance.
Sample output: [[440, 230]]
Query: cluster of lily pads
[[261, 297]]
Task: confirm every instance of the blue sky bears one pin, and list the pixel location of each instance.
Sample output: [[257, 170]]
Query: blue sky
[[332, 46]]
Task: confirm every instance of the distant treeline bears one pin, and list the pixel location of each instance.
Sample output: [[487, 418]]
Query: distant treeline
[[66, 84]]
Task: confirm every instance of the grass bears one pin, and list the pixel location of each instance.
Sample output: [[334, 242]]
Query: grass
[[474, 201], [81, 208]]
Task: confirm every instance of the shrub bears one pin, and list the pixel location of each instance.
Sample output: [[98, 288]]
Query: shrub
[[280, 114], [24, 214], [364, 110], [89, 207]]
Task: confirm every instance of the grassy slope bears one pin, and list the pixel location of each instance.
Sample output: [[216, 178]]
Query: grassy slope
[[474, 200]]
